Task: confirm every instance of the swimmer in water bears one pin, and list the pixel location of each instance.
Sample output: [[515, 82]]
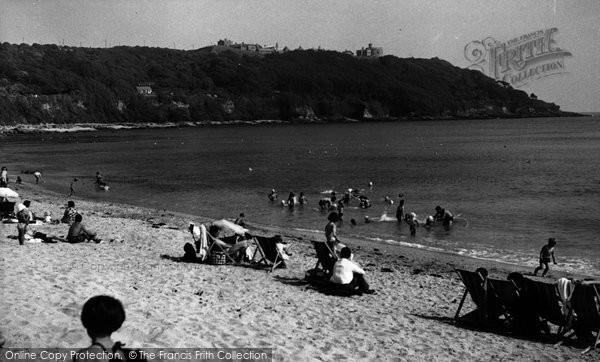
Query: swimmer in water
[[413, 223], [273, 195], [443, 215], [302, 200]]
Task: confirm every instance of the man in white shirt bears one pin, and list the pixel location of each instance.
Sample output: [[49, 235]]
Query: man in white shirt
[[346, 272]]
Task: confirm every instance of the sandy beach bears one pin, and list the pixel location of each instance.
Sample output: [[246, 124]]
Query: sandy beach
[[173, 304]]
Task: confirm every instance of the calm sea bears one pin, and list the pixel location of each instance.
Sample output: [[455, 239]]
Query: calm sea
[[512, 183]]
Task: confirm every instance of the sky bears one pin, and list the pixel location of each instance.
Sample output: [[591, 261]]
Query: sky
[[407, 28]]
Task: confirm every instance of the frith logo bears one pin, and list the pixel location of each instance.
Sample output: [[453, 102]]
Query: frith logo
[[520, 60]]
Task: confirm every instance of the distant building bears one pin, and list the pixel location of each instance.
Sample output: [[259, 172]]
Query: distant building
[[256, 48], [370, 52], [144, 90], [225, 42]]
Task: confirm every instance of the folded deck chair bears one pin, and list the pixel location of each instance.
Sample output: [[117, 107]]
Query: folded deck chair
[[544, 296], [476, 286], [585, 302], [270, 255], [507, 297], [325, 255], [230, 250]]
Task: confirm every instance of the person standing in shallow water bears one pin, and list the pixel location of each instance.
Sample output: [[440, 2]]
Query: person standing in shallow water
[[546, 254], [400, 212], [72, 186]]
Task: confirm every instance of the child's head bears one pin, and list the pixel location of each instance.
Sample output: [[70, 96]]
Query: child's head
[[102, 315], [551, 241], [482, 271], [78, 218]]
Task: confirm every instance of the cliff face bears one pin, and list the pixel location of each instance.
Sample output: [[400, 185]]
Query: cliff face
[[52, 84]]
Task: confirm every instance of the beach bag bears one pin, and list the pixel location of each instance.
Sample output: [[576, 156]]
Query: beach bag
[[217, 258]]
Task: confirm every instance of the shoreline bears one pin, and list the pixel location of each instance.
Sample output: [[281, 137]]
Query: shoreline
[[174, 304], [47, 128], [435, 259]]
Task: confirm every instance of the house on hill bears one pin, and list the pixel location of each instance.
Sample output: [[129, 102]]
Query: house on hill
[[370, 52], [252, 48], [144, 89]]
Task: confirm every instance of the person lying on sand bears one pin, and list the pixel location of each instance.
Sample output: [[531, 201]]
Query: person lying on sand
[[101, 316], [347, 272], [78, 233]]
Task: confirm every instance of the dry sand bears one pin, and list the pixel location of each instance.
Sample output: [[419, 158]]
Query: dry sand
[[172, 304]]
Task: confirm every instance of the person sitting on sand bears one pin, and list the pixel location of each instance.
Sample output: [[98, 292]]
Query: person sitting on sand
[[240, 220], [443, 215], [347, 272], [70, 213], [78, 233], [101, 316], [34, 217], [546, 253]]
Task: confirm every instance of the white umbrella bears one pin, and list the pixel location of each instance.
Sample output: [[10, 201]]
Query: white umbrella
[[228, 225], [6, 192]]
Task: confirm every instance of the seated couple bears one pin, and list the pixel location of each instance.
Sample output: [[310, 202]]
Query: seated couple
[[349, 274], [78, 233]]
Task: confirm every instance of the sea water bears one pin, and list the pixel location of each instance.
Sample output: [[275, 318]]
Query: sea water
[[512, 183]]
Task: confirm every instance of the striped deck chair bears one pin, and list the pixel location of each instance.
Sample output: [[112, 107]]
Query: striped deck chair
[[269, 253], [230, 250], [585, 303]]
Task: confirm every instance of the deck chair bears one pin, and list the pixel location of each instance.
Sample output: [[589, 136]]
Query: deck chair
[[325, 255], [585, 302], [6, 209], [230, 250], [269, 253], [476, 285], [507, 297], [544, 296]]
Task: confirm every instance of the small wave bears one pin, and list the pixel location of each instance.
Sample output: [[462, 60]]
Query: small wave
[[386, 218], [309, 230], [327, 191], [524, 260], [405, 243]]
